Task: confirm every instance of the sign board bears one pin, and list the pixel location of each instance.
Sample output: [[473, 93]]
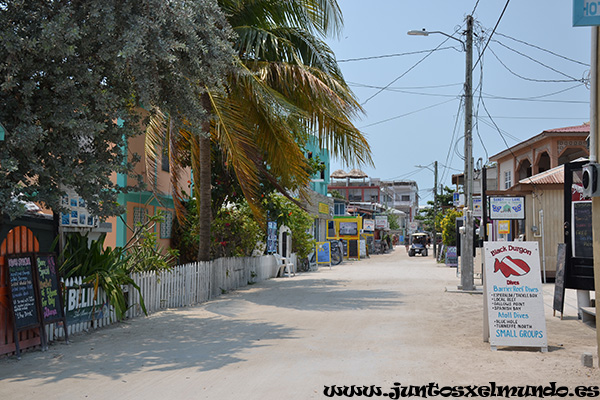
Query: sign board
[[458, 199], [324, 208], [582, 245], [507, 207], [586, 13], [363, 248], [381, 222], [78, 215], [24, 300], [271, 237], [348, 228], [50, 294], [477, 211], [368, 225], [323, 251], [22, 289], [81, 307], [515, 301], [504, 227], [451, 256], [559, 280]]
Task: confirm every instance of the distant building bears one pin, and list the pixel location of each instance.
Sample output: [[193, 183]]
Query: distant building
[[542, 152], [403, 196]]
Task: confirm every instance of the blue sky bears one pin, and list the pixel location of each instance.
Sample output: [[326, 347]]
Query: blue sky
[[419, 118]]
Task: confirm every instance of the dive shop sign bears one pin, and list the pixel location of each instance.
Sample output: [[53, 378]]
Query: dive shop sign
[[515, 301]]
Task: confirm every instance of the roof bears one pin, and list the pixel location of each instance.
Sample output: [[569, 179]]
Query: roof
[[572, 129], [339, 174], [357, 173], [553, 176], [582, 130]]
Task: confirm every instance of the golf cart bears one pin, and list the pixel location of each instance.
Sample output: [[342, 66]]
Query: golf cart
[[418, 244]]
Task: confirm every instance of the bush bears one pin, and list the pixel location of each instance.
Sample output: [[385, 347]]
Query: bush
[[449, 227]]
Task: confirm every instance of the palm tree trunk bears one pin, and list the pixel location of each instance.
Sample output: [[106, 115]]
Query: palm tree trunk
[[204, 188]]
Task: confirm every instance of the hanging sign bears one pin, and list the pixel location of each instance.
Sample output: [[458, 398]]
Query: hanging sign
[[515, 301], [507, 207], [368, 225], [586, 13]]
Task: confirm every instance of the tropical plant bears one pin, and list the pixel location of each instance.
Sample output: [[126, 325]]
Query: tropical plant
[[449, 227], [143, 253], [286, 86], [99, 267], [287, 213]]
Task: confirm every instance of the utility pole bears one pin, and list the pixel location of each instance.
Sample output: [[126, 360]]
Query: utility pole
[[466, 274], [435, 178]]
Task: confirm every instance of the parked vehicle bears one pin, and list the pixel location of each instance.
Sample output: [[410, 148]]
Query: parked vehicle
[[418, 244], [336, 252]]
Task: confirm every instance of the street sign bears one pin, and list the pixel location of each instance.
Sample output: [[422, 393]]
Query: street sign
[[586, 13]]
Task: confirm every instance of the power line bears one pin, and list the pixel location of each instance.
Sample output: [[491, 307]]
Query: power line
[[394, 55], [532, 79], [492, 34], [475, 8], [406, 72], [542, 49], [406, 87], [409, 113], [536, 61], [486, 95], [458, 114]]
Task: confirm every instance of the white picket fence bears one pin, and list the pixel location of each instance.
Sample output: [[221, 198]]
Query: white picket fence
[[182, 286]]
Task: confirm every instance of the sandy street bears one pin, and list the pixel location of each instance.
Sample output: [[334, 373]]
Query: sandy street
[[374, 322]]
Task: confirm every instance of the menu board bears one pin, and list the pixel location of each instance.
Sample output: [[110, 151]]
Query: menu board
[[22, 290], [515, 303], [50, 299], [582, 230]]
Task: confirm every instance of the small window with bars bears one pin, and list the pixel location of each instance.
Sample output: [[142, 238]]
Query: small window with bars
[[167, 225], [140, 215]]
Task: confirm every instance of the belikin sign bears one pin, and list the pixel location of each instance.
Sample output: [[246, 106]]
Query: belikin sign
[[515, 301]]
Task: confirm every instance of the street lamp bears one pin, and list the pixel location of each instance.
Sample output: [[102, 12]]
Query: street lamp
[[466, 276]]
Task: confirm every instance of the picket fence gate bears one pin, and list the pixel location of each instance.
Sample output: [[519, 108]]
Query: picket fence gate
[[182, 286]]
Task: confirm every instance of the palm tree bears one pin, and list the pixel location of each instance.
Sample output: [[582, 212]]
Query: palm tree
[[287, 86]]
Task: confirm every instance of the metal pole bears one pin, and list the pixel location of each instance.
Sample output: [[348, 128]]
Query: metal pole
[[466, 275], [435, 174]]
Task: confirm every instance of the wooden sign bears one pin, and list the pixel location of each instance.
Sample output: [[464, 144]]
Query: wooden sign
[[51, 300], [515, 301], [24, 299]]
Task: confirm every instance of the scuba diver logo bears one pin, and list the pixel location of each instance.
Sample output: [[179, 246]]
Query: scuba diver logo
[[509, 266]]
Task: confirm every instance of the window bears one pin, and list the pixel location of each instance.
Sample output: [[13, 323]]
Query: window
[[167, 225], [406, 197], [140, 215], [165, 159], [507, 179], [339, 209]]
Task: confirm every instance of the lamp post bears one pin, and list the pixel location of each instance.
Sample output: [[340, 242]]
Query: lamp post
[[466, 276]]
